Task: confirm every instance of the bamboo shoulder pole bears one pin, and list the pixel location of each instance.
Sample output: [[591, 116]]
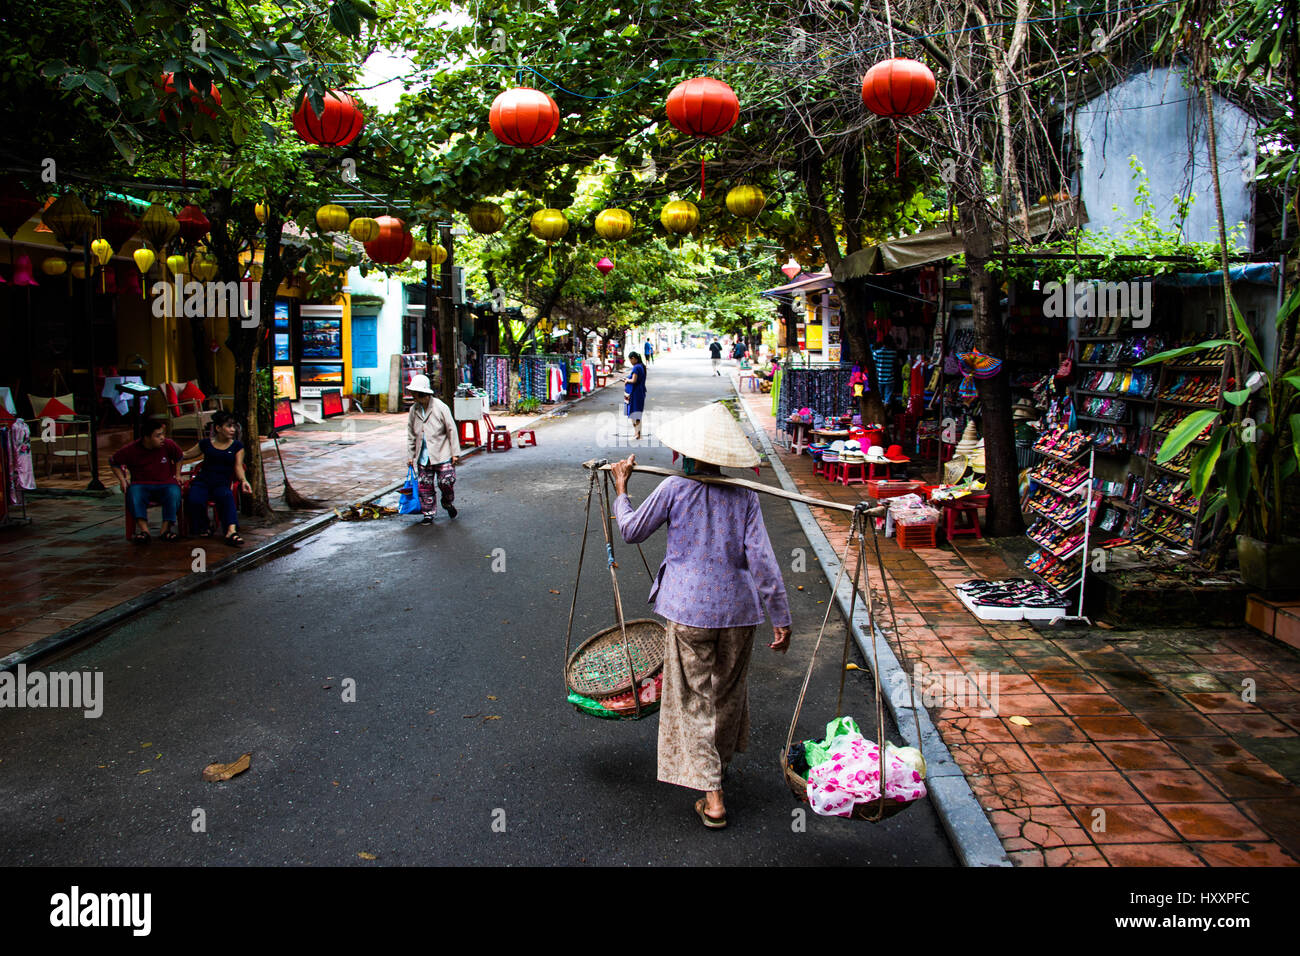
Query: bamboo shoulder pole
[[604, 465]]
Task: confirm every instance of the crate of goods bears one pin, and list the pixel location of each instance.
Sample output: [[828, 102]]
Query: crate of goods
[[882, 488], [912, 536]]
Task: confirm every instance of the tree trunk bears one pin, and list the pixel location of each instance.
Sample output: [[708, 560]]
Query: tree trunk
[[1004, 516], [203, 370], [447, 324]]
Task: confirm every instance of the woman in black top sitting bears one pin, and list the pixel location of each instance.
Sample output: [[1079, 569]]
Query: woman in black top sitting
[[223, 462]]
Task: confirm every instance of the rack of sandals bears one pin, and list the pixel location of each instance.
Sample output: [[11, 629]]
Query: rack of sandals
[[1062, 507]]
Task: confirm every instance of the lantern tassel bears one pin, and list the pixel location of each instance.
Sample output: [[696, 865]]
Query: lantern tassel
[[701, 177], [898, 155]]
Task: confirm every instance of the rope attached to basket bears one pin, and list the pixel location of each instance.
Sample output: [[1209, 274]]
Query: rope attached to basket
[[857, 535]]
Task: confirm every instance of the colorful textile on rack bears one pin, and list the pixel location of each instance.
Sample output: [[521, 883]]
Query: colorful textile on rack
[[823, 388], [21, 474]]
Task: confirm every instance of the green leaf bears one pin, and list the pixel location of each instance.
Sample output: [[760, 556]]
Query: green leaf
[[125, 148], [344, 18], [365, 10], [1292, 379], [1185, 350], [1247, 338], [1237, 397], [1295, 435], [1204, 461], [1288, 308], [1216, 504], [1182, 436]]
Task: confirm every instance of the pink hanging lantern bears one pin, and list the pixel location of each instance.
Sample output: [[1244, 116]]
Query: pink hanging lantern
[[605, 266], [23, 271]]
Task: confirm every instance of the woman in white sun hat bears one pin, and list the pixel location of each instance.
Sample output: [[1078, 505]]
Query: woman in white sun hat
[[433, 447], [718, 576]]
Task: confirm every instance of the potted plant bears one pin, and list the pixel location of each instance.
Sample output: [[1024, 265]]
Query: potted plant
[[1250, 459]]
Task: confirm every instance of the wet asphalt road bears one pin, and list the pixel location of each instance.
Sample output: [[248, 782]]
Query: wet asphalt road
[[459, 747]]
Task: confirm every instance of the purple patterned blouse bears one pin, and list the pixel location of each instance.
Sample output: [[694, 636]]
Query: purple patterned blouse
[[719, 562]]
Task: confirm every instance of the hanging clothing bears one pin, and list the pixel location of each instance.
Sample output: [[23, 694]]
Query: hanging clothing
[[22, 476]]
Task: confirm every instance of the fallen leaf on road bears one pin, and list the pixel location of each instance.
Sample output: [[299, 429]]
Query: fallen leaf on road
[[472, 716], [334, 782], [1021, 721], [367, 856], [852, 667], [799, 588], [491, 717], [146, 746], [216, 772], [148, 770], [491, 697], [553, 591]]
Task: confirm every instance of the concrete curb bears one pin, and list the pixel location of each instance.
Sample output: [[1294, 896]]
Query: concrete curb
[[972, 834], [53, 643]]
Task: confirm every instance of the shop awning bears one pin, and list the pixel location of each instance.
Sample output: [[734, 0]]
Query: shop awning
[[935, 245], [806, 282], [1258, 273]]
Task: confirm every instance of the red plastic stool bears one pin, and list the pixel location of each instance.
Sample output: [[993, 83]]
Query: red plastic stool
[[469, 434], [844, 474], [961, 518]]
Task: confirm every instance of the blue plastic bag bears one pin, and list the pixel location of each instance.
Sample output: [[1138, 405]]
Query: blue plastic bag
[[409, 502]]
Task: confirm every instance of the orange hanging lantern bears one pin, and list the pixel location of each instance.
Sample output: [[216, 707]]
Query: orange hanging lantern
[[524, 117], [897, 88], [201, 103], [704, 108]]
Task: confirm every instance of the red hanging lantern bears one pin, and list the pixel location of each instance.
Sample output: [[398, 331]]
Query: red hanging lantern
[[118, 226], [524, 117], [393, 244], [17, 205], [194, 224], [200, 102], [338, 124], [898, 88], [704, 108]]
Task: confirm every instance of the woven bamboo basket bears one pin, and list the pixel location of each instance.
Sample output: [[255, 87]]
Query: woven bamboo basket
[[861, 811], [598, 668]]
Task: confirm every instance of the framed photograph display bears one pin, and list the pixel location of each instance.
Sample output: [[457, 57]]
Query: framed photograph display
[[331, 402], [322, 338], [286, 382], [316, 377], [283, 414]]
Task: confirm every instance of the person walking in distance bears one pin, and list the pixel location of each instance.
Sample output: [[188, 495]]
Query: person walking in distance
[[433, 447], [649, 351], [715, 349], [634, 393]]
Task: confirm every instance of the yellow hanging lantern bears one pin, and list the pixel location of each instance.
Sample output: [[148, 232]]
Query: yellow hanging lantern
[[204, 267], [255, 272], [102, 251], [680, 216], [331, 218], [178, 264], [438, 254], [144, 260], [363, 229], [486, 218], [54, 265], [421, 251], [613, 224], [548, 225], [746, 202], [79, 270], [158, 226], [260, 210]]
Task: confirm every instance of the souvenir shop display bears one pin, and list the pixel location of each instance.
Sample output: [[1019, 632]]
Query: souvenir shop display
[[822, 388], [1062, 505], [16, 472]]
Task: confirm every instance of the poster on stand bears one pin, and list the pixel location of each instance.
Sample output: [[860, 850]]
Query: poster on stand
[[286, 382], [322, 339]]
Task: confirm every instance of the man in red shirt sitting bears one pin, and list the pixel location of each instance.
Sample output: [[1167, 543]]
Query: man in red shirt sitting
[[149, 471]]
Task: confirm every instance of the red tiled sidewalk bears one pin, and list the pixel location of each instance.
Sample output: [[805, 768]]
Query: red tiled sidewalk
[[1131, 748]]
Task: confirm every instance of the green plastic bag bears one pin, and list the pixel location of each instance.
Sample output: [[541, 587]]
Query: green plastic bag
[[589, 706], [818, 751]]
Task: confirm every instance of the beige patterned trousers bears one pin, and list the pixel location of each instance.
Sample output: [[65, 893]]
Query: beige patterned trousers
[[704, 714]]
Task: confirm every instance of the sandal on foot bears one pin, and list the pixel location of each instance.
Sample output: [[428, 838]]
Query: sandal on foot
[[140, 537], [170, 535], [713, 823], [234, 539]]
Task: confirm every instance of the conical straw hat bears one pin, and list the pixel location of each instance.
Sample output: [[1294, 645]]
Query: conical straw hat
[[969, 439], [711, 435]]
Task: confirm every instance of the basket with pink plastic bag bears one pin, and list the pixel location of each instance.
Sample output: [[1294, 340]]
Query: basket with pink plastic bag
[[854, 776]]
